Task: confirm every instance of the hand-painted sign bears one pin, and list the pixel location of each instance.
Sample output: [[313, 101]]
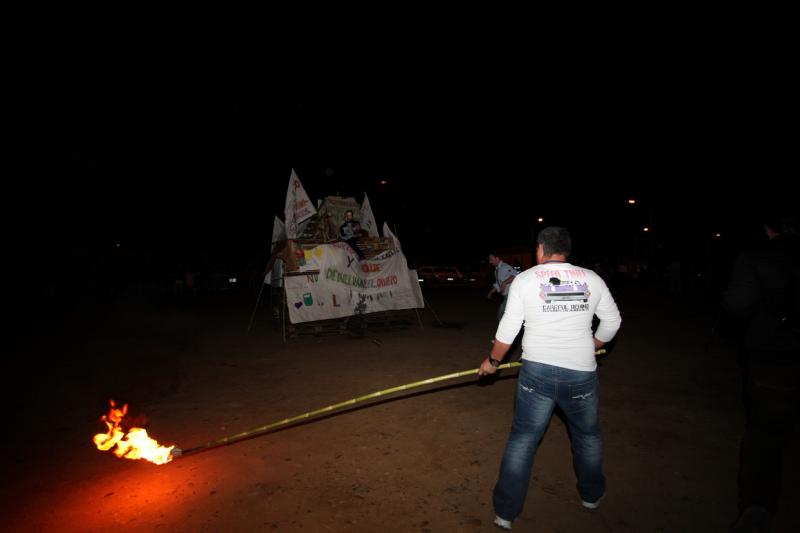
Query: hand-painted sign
[[345, 286]]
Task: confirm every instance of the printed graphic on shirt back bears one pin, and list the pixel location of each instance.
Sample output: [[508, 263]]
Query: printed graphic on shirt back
[[557, 290]]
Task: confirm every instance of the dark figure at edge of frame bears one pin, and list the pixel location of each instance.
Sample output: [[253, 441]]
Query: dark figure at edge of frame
[[763, 295]]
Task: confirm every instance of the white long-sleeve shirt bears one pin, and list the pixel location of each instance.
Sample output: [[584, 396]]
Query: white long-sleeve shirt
[[557, 302]]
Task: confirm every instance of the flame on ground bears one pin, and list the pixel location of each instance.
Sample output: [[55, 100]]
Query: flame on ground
[[135, 444]]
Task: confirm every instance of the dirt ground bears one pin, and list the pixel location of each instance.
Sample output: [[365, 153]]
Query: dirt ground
[[424, 461]]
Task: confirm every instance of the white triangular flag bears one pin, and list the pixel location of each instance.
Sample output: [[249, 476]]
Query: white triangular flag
[[298, 206], [368, 219], [278, 233], [275, 276], [388, 233]]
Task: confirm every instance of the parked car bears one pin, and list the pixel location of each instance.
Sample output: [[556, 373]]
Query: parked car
[[441, 275], [222, 279], [478, 275]]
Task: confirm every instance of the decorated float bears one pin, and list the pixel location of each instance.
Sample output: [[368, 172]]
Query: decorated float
[[320, 284]]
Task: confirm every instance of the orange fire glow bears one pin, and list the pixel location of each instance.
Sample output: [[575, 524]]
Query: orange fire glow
[[135, 444]]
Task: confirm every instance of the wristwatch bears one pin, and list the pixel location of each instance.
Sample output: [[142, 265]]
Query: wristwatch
[[494, 362]]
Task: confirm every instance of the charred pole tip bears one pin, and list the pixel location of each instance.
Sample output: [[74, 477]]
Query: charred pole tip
[[179, 452]]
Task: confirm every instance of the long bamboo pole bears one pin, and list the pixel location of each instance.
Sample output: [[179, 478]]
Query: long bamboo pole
[[178, 452], [328, 409]]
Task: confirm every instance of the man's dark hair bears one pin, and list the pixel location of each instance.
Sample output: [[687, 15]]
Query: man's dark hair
[[555, 240]]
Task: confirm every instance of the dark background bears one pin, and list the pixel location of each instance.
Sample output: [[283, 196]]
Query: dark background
[[135, 166], [129, 185]]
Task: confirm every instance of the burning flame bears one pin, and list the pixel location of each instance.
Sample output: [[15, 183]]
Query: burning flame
[[135, 444]]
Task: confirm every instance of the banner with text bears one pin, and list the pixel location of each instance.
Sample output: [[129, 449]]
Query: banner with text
[[345, 287]]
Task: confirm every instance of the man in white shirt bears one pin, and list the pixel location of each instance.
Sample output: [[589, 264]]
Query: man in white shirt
[[503, 276], [556, 301]]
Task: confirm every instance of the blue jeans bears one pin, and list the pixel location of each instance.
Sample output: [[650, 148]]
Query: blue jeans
[[540, 388]]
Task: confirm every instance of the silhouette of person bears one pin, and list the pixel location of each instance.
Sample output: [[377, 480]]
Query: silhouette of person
[[675, 276], [763, 295]]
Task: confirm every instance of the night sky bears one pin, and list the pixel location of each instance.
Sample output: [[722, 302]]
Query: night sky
[[197, 178]]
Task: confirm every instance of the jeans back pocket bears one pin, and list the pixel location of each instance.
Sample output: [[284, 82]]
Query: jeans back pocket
[[583, 395]]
